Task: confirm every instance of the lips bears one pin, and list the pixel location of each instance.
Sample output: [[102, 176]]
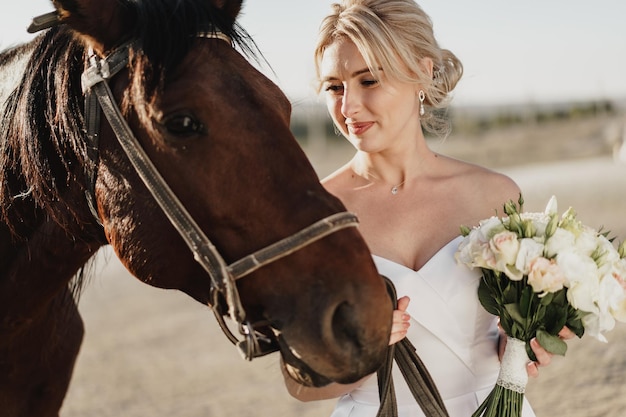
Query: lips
[[358, 128]]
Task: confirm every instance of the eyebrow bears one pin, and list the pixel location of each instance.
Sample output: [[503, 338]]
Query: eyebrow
[[354, 74]]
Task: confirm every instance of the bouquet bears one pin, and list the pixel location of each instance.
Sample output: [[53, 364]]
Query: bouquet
[[542, 271]]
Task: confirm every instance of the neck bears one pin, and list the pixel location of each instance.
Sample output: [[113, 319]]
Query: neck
[[391, 169], [39, 269]]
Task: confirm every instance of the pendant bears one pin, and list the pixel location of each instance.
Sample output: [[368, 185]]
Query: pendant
[[394, 190]]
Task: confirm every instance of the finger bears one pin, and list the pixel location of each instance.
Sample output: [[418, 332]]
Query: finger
[[401, 320], [566, 333], [532, 369], [397, 336], [543, 356], [403, 303], [399, 326], [400, 316], [398, 330]]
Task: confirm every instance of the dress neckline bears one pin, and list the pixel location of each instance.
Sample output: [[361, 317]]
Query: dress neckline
[[441, 251]]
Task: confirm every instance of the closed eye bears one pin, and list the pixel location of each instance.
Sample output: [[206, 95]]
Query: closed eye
[[334, 88], [369, 83]]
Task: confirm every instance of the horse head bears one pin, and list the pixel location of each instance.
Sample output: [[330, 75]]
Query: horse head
[[217, 131]]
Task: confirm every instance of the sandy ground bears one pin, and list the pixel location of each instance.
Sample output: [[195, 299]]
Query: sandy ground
[[157, 353]]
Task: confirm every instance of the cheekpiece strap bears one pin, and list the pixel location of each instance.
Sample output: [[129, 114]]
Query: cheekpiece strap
[[99, 70]]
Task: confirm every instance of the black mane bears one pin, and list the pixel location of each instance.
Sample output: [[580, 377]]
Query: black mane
[[166, 30], [41, 131], [42, 128]]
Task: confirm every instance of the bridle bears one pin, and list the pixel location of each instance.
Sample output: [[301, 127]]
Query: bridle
[[98, 96]]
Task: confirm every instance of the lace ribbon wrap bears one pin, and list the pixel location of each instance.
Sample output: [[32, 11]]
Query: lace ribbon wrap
[[513, 374]]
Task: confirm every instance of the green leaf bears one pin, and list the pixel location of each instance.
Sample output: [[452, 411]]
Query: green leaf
[[488, 301], [560, 297], [525, 300], [514, 312], [510, 294], [555, 318], [547, 299], [552, 344], [518, 331], [574, 322]]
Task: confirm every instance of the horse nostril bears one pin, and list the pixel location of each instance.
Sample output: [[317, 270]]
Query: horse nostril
[[345, 327]]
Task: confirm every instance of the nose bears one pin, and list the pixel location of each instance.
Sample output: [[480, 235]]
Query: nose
[[344, 329], [350, 103], [351, 341]]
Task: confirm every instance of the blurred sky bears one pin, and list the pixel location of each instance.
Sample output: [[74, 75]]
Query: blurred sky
[[530, 51]]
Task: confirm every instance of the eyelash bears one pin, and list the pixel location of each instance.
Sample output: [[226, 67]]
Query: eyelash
[[335, 88]]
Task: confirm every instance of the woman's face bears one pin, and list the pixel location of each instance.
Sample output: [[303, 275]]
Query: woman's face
[[373, 115]]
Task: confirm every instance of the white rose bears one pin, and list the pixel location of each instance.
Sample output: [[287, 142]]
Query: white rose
[[619, 310], [591, 323], [581, 277], [586, 242], [560, 241], [529, 249], [583, 295], [611, 294], [471, 250], [488, 228], [616, 289]]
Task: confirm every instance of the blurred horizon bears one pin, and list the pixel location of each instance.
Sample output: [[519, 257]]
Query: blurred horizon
[[513, 53]]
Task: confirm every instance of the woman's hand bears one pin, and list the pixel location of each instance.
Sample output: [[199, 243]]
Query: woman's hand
[[543, 356], [400, 322]]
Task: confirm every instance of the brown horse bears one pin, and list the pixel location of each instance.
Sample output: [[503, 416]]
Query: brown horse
[[217, 132]]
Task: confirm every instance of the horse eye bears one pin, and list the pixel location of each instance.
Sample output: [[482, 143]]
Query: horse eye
[[182, 125]]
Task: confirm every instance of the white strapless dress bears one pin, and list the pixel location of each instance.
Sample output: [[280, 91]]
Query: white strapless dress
[[454, 336]]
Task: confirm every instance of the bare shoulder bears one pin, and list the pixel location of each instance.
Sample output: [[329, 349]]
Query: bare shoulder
[[483, 191]]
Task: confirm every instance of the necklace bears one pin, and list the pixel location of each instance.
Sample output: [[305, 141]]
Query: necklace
[[394, 189], [369, 175]]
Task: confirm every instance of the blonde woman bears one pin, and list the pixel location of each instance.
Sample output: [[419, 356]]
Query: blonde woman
[[384, 77]]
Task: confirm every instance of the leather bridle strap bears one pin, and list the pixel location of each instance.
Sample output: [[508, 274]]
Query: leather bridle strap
[[222, 276], [415, 374]]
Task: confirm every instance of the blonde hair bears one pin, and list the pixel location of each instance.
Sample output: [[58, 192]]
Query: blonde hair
[[394, 36]]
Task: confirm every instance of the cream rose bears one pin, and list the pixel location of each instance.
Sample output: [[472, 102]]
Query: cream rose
[[505, 246], [545, 276]]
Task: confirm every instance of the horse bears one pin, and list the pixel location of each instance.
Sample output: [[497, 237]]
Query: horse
[[142, 124]]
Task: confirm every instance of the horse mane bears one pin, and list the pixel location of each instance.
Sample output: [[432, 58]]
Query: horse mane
[[42, 128], [164, 34], [41, 131]]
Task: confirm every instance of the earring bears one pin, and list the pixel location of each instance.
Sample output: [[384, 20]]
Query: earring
[[422, 96]]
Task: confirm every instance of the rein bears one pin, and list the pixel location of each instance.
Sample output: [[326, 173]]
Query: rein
[[98, 96], [414, 372]]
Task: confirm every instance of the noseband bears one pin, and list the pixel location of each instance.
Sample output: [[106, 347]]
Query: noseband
[[98, 96]]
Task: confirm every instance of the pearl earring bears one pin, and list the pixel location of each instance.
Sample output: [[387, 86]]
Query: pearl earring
[[422, 96]]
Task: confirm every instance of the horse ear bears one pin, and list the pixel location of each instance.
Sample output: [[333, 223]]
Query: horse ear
[[102, 23], [231, 7]]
